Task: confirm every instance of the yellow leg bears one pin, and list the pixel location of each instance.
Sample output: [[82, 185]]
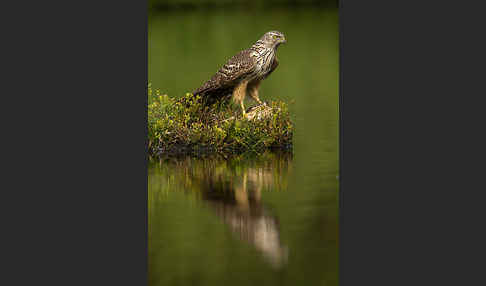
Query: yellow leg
[[253, 90], [254, 94], [239, 95], [242, 108], [257, 98]]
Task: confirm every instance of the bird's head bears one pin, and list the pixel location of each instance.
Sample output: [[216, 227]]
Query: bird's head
[[273, 39]]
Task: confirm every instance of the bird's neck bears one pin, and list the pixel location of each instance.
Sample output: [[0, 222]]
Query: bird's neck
[[260, 47]]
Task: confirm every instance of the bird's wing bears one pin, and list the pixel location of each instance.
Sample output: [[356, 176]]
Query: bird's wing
[[237, 67]]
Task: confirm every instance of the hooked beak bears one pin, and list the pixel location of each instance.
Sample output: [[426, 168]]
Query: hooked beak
[[284, 40]]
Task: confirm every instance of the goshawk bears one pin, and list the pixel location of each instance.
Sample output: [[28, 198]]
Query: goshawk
[[243, 73]]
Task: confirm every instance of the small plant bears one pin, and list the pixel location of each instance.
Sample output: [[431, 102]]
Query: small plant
[[187, 126]]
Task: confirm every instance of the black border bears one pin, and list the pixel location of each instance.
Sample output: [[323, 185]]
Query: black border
[[78, 79], [77, 153]]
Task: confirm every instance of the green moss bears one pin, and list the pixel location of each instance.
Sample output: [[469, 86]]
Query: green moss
[[186, 126]]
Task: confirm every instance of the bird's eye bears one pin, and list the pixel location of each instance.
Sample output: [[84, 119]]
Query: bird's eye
[[274, 36]]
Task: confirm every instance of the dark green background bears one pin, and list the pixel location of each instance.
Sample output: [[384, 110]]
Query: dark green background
[[188, 244]]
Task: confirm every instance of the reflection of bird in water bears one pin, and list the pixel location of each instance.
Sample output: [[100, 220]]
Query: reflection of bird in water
[[233, 190], [239, 205]]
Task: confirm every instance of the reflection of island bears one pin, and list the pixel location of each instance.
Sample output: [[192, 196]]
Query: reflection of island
[[233, 192]]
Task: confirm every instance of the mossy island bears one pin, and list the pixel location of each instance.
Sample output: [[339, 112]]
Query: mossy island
[[185, 126]]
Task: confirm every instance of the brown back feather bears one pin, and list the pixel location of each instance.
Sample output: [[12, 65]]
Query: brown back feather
[[238, 67]]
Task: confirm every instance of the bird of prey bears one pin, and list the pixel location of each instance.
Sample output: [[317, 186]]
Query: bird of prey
[[243, 72]]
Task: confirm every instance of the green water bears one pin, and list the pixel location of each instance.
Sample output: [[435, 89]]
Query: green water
[[252, 220]]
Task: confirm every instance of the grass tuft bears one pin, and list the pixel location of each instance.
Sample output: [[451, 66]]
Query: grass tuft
[[186, 126]]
